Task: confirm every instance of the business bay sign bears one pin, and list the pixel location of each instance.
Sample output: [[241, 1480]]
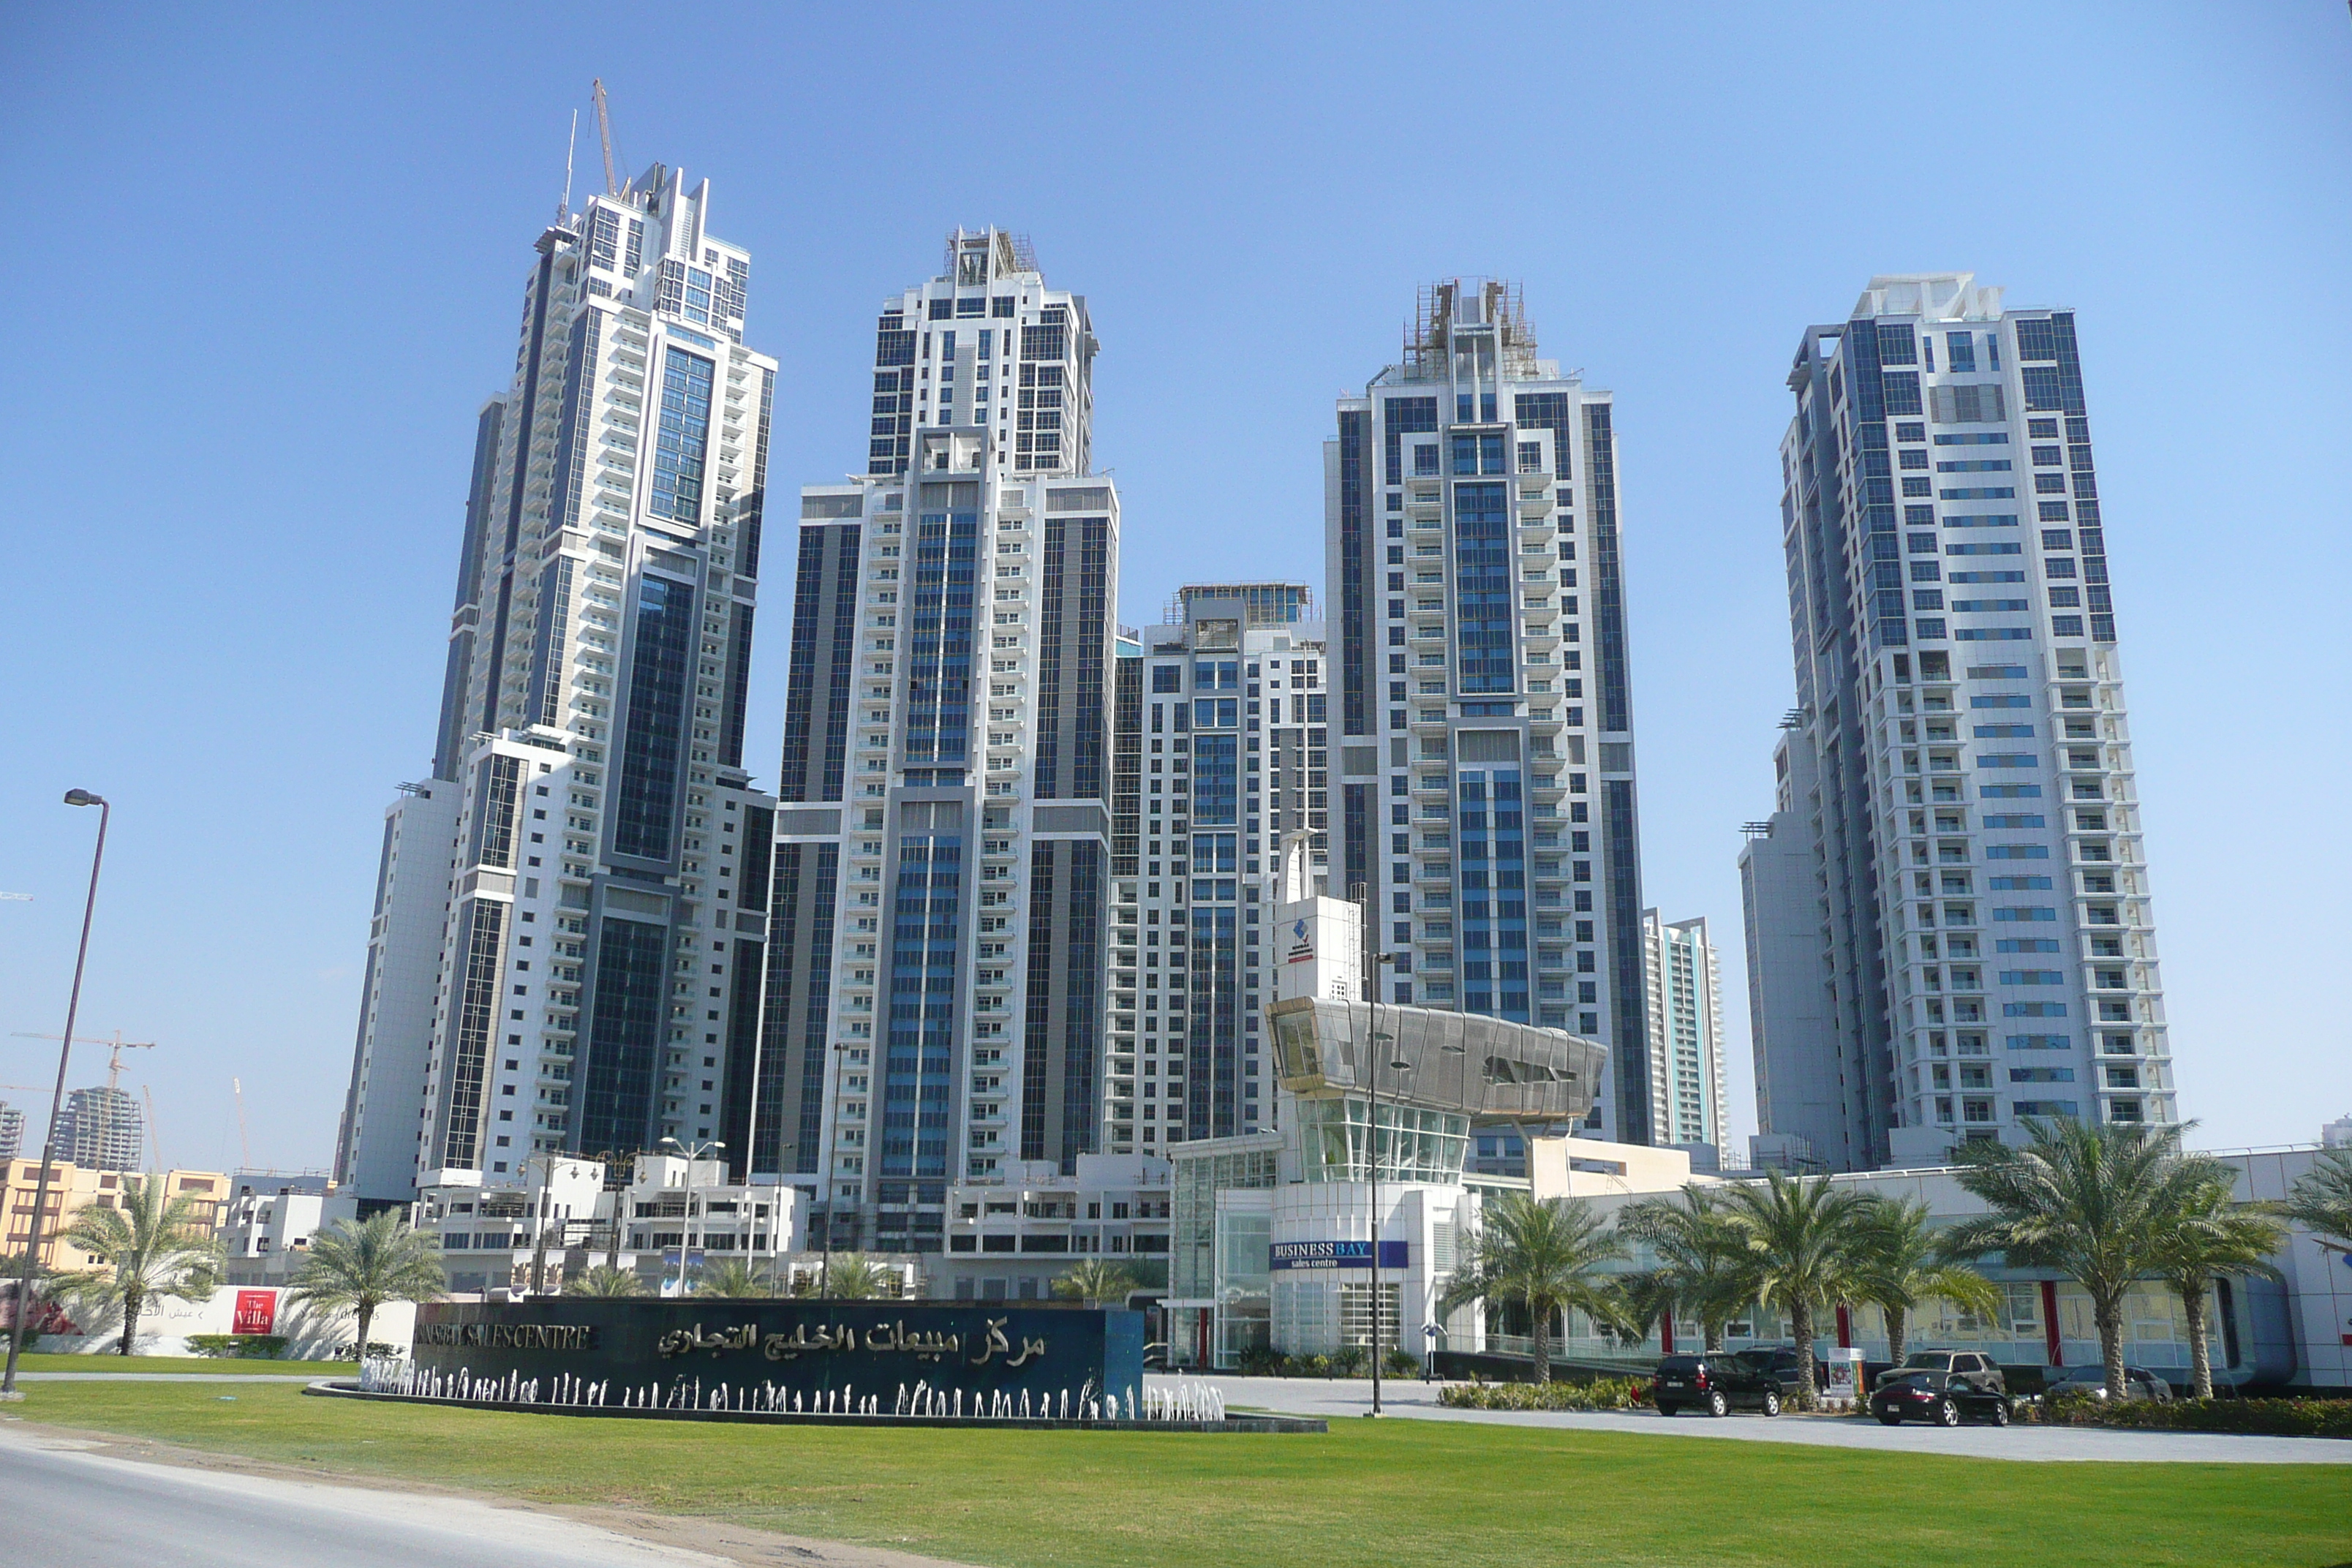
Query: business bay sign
[[1337, 1255], [810, 1346]]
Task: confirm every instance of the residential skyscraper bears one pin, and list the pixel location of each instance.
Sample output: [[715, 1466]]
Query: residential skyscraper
[[1987, 952], [1229, 735], [943, 867], [12, 1130], [567, 947], [1686, 996], [1800, 1096], [1485, 797]]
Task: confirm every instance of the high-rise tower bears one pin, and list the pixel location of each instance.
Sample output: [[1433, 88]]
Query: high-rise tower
[[570, 912], [1986, 950], [1229, 739], [1485, 800], [1686, 996], [942, 881]]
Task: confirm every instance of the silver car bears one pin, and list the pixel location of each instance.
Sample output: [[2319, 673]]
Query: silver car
[[2092, 1381]]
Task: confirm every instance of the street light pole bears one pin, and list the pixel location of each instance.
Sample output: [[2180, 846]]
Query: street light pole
[[692, 1151], [1380, 1043], [8, 1389]]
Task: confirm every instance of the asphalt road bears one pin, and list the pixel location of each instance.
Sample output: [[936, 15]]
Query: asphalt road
[[1340, 1398], [62, 1505]]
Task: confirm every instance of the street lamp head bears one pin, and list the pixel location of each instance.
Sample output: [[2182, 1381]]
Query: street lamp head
[[83, 798], [669, 1143]]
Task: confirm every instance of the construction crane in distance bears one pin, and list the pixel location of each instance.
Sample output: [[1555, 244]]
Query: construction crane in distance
[[605, 134], [15, 898], [115, 1047]]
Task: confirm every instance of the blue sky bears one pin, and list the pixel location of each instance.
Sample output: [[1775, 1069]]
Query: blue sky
[[266, 262]]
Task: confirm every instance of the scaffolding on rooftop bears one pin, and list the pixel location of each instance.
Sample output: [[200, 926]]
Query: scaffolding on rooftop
[[1436, 308], [1262, 604]]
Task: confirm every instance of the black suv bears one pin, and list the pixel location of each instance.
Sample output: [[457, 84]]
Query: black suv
[[1713, 1384], [1779, 1364]]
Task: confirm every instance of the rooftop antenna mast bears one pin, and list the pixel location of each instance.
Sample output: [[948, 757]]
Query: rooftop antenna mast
[[155, 1134], [605, 134], [244, 1133]]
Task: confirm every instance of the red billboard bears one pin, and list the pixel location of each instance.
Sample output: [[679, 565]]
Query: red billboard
[[256, 1313]]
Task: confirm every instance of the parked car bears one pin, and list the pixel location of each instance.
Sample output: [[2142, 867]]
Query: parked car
[[1713, 1383], [1946, 1398], [2138, 1384], [1779, 1364], [1976, 1369]]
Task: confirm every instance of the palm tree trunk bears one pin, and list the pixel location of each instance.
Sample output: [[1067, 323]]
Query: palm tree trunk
[[129, 1323], [1714, 1329], [1800, 1327], [2200, 1354], [1898, 1332], [1540, 1322], [367, 1315], [2110, 1318]]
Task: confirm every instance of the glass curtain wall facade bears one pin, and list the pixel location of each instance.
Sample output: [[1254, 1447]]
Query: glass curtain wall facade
[[1988, 948], [1485, 793], [588, 856], [1229, 736], [936, 1013]]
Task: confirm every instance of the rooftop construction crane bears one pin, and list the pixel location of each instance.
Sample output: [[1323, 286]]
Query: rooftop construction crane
[[605, 134]]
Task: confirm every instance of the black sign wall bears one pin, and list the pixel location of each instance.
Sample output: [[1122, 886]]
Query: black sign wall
[[806, 1347]]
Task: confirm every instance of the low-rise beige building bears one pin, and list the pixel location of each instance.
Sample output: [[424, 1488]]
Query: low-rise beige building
[[73, 1188]]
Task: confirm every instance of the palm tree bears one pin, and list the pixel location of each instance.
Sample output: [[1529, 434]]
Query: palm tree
[[1903, 1265], [1540, 1257], [1704, 1264], [1645, 1299], [1804, 1238], [360, 1265], [2322, 1198], [2092, 1202], [854, 1277], [604, 1280], [1095, 1281], [149, 1247], [2212, 1234], [734, 1277]]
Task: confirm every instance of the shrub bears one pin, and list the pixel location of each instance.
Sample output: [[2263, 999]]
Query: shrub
[[2258, 1417], [1400, 1362], [1262, 1360], [1600, 1394], [250, 1347]]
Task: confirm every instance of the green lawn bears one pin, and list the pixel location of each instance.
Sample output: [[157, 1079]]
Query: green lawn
[[35, 1361], [1400, 1494]]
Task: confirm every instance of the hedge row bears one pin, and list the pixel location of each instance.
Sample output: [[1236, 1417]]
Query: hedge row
[[1600, 1394], [2260, 1417]]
